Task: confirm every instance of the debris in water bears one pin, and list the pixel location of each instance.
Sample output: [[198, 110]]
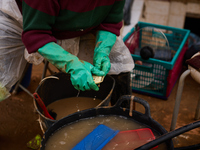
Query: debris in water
[[98, 79]]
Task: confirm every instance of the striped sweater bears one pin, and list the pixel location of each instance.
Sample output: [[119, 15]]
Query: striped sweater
[[46, 21]]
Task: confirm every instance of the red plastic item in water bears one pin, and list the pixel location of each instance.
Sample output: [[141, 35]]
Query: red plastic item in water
[[130, 139], [42, 105]]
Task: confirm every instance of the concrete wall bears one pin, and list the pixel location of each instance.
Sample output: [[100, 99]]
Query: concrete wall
[[170, 13], [177, 13], [155, 12]]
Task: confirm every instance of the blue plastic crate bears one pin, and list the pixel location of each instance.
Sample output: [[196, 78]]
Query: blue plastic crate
[[156, 77]]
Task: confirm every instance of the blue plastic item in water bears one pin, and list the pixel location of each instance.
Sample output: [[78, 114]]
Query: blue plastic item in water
[[97, 139]]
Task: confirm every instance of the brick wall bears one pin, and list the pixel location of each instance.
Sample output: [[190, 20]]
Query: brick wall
[[171, 13]]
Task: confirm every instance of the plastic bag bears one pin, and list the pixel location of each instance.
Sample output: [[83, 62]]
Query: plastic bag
[[10, 8], [33, 58], [70, 45], [120, 58], [12, 62], [193, 39]]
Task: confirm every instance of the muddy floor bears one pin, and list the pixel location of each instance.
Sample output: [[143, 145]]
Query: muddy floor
[[19, 121]]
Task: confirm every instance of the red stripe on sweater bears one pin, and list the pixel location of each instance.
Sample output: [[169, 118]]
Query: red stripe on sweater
[[113, 28], [84, 5], [35, 39], [50, 7]]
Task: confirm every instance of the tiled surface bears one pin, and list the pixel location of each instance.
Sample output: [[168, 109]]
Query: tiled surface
[[177, 8], [161, 12], [176, 21], [156, 12], [193, 8], [177, 14], [157, 7], [157, 19]]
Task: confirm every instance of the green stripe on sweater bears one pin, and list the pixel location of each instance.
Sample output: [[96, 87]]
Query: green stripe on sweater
[[36, 20], [69, 20]]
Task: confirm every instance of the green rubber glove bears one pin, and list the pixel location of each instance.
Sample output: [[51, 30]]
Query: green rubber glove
[[80, 71], [104, 43]]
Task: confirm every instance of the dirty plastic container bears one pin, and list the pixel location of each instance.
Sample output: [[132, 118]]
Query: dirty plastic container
[[117, 110], [162, 135], [51, 90]]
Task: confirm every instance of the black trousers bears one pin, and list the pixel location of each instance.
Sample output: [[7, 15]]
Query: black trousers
[[122, 87]]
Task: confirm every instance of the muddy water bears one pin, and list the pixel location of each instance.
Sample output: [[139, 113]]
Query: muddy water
[[71, 105], [67, 137]]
